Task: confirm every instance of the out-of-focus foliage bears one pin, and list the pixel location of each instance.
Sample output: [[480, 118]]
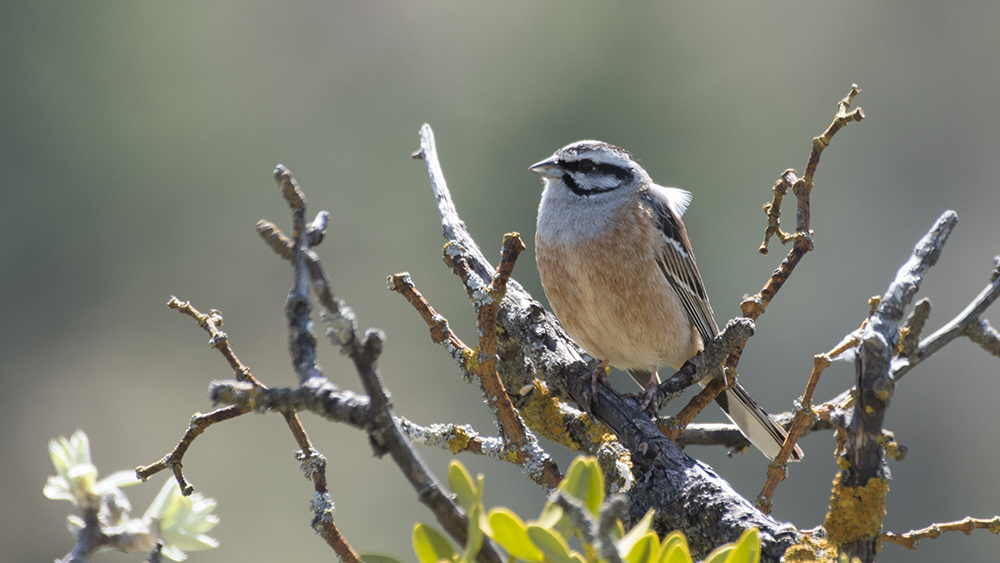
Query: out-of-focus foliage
[[548, 538], [181, 522]]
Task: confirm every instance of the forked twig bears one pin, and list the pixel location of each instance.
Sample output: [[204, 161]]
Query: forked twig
[[754, 306]]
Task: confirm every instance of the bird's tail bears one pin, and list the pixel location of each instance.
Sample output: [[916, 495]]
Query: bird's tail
[[758, 426]]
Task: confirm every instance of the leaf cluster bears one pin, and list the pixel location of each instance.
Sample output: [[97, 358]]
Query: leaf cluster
[[577, 513]]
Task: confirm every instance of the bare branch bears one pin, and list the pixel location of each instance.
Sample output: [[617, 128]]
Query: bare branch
[[967, 323], [754, 306], [966, 526], [365, 352], [804, 417], [200, 422]]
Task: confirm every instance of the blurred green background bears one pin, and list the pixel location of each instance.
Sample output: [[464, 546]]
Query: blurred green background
[[138, 141]]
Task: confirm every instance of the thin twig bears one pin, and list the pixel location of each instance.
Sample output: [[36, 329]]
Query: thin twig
[[364, 351], [966, 321], [455, 438], [754, 306], [966, 526], [323, 521], [218, 340], [804, 417], [519, 442], [441, 332]]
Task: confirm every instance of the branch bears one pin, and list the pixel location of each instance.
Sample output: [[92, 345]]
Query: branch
[[967, 525], [680, 490], [313, 462], [518, 442], [865, 477], [200, 422], [909, 354], [804, 417], [88, 540], [967, 323], [364, 351], [754, 306]]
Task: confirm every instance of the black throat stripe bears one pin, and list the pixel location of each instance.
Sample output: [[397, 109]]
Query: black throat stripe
[[575, 188]]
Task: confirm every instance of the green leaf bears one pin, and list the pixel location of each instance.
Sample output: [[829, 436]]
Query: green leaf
[[431, 546], [747, 549], [475, 534], [637, 532], [585, 481], [511, 534], [720, 554], [618, 531], [674, 549], [644, 550], [379, 558], [462, 485], [676, 554], [552, 545], [551, 514]]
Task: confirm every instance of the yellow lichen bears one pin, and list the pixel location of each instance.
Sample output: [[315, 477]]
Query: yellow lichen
[[811, 549], [471, 357], [856, 512], [544, 417], [459, 440]]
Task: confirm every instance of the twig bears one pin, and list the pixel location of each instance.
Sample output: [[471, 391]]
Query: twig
[[754, 306], [713, 434], [966, 323], [323, 521], [174, 459], [89, 539], [441, 332], [486, 299], [364, 351], [966, 526], [320, 397], [804, 416], [200, 422], [522, 446], [454, 438], [734, 334]]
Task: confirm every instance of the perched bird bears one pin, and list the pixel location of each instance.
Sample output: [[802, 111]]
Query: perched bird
[[617, 267]]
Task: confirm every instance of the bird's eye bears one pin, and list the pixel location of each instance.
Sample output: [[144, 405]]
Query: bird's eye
[[586, 166]]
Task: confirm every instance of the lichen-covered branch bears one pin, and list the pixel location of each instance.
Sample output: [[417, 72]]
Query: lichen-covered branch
[[519, 445], [864, 478], [679, 489]]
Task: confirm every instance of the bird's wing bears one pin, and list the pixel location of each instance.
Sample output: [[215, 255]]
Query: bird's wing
[[676, 259]]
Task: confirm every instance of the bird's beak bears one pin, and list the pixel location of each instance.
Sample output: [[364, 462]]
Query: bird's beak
[[548, 168]]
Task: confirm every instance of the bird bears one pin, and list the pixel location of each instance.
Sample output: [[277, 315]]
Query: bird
[[618, 269]]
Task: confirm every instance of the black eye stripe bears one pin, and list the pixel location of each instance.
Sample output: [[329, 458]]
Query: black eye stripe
[[587, 166]]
